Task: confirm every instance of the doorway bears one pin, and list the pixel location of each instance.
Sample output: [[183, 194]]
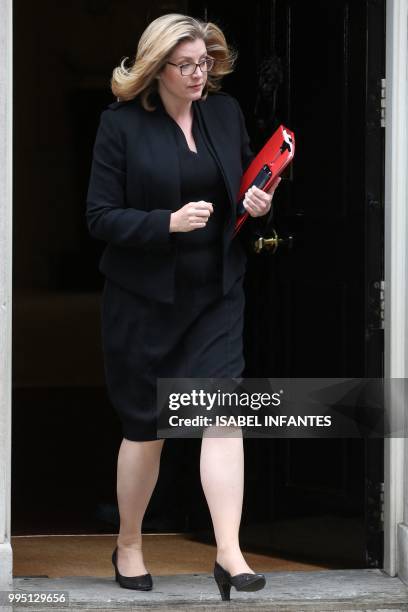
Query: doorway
[[313, 307]]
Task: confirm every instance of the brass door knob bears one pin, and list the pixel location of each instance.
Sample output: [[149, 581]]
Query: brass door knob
[[271, 243]]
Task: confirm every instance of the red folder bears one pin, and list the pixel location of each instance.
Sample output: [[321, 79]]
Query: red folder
[[265, 168]]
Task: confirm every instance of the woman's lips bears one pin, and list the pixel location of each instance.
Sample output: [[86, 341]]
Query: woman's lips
[[196, 86]]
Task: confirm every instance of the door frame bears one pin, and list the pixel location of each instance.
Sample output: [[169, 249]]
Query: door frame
[[396, 283], [6, 212], [396, 280]]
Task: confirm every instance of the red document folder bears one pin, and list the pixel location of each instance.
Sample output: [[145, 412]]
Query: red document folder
[[265, 168]]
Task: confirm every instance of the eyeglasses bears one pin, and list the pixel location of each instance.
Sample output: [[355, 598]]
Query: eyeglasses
[[188, 69]]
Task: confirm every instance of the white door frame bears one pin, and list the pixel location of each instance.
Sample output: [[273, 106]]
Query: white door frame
[[396, 280], [6, 209], [396, 283]]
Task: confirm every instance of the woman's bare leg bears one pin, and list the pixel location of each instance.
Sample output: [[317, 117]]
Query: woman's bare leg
[[222, 479], [137, 474]]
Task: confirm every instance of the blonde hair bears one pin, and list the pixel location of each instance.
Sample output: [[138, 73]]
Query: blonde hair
[[156, 45]]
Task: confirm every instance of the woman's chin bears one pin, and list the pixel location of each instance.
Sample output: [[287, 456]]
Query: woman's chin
[[196, 91]]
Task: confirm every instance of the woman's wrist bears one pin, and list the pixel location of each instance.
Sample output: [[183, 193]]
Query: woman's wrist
[[173, 223]]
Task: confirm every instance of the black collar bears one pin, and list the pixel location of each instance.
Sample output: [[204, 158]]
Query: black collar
[[160, 108]]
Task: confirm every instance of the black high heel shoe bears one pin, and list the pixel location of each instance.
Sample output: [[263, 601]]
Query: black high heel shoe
[[143, 582], [242, 582]]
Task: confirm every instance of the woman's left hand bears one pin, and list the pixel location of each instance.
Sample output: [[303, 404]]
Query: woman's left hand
[[257, 202]]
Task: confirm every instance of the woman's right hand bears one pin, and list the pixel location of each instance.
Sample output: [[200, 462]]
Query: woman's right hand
[[191, 216]]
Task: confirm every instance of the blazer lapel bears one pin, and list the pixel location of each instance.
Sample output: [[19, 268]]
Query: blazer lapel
[[213, 135], [163, 160]]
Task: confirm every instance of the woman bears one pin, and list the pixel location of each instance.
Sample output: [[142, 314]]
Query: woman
[[167, 164]]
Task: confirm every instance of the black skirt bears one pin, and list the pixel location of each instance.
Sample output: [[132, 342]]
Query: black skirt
[[143, 340], [200, 335]]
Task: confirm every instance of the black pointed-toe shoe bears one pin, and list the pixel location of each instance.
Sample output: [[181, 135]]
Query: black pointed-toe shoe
[[242, 582], [143, 582]]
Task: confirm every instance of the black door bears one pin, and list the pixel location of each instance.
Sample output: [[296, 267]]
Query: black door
[[314, 306]]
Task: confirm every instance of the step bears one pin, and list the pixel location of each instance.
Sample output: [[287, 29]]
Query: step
[[361, 589]]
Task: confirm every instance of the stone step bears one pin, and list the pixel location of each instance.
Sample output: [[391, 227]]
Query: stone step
[[351, 590]]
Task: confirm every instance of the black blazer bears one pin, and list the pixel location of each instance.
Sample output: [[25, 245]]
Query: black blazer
[[134, 187]]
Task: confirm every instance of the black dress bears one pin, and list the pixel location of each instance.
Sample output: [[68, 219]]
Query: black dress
[[200, 335]]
